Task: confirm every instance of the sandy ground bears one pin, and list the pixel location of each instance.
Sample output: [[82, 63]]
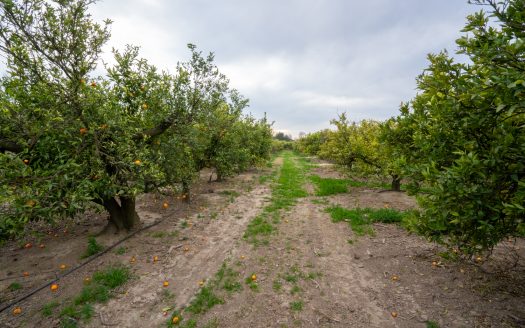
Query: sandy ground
[[309, 275]]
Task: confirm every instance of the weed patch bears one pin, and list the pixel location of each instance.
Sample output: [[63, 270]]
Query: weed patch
[[327, 186], [360, 219], [15, 286], [93, 248], [98, 291], [296, 306], [204, 300]]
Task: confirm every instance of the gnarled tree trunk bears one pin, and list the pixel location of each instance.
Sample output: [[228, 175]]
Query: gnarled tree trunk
[[396, 182], [122, 212]]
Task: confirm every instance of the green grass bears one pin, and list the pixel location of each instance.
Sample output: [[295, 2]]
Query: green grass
[[291, 278], [288, 187], [227, 279], [93, 248], [295, 289], [98, 291], [15, 286], [432, 324], [121, 250], [49, 308], [204, 300], [327, 186], [182, 323], [361, 218], [277, 285], [297, 306]]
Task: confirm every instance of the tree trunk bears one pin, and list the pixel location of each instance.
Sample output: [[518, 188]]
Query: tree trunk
[[186, 191], [122, 212], [396, 182]]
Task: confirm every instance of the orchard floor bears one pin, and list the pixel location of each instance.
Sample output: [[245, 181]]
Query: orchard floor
[[308, 274]]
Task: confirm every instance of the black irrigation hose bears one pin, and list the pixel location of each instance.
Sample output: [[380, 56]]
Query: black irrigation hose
[[24, 297]]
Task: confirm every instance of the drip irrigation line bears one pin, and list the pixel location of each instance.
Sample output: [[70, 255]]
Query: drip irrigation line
[[89, 260]]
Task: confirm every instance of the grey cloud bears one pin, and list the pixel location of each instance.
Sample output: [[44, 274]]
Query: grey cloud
[[300, 61]]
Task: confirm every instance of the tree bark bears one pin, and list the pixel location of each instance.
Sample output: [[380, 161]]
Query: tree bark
[[396, 182], [186, 191], [122, 214]]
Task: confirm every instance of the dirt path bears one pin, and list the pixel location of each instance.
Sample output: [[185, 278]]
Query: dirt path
[[309, 272], [197, 258]]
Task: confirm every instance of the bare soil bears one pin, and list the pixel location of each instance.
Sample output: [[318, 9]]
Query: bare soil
[[309, 275]]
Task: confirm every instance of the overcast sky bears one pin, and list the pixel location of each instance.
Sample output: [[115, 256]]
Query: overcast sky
[[300, 61]]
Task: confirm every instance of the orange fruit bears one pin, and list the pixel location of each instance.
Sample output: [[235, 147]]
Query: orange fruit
[[26, 274], [175, 320], [63, 266], [137, 162], [26, 161], [93, 84], [434, 263], [242, 257], [87, 280], [54, 287], [394, 314], [104, 126], [395, 278], [165, 205], [30, 203], [144, 106], [186, 249], [184, 196], [201, 283], [165, 283], [17, 310], [155, 258], [83, 130], [479, 259], [254, 277], [82, 81], [42, 246], [133, 259], [28, 245]]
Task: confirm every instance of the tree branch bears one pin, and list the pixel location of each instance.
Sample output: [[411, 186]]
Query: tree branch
[[8, 145]]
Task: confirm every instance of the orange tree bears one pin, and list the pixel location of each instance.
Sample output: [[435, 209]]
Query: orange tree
[[310, 144], [463, 134], [359, 147], [68, 139]]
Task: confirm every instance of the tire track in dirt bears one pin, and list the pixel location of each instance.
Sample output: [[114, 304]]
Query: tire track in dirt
[[311, 258], [208, 247]]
